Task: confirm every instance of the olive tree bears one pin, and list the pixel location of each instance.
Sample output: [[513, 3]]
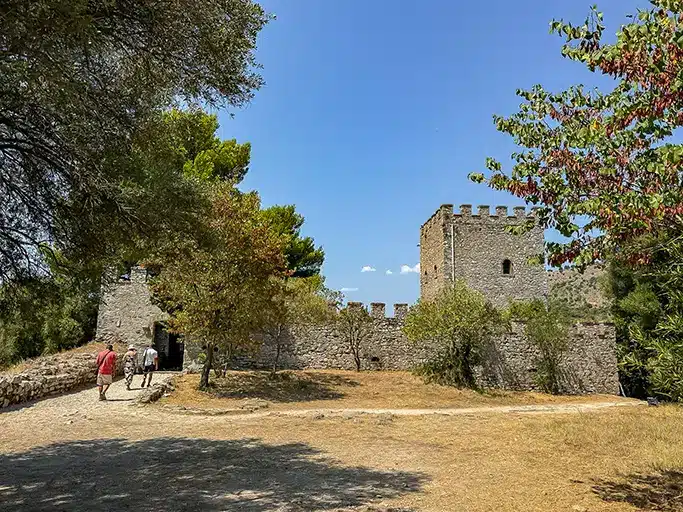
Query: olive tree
[[457, 325], [355, 325]]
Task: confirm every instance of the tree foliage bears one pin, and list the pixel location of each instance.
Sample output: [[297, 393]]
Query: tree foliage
[[219, 284], [303, 258], [648, 314], [601, 165], [82, 82], [299, 301], [355, 325], [46, 314], [546, 326], [460, 322]]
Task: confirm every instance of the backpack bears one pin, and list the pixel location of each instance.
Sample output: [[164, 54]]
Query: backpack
[[97, 370]]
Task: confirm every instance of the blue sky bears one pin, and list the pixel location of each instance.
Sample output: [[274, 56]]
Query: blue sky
[[375, 111]]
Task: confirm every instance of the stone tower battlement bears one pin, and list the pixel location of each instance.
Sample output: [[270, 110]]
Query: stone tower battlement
[[483, 213], [476, 247]]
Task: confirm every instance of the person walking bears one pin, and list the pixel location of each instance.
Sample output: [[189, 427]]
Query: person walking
[[106, 366], [130, 364], [150, 363]]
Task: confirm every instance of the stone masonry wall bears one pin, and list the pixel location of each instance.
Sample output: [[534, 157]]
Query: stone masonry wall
[[433, 251], [127, 315], [588, 366], [52, 375], [473, 247], [574, 286]]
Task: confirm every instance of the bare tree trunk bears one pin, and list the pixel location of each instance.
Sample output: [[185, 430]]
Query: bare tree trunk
[[356, 358], [278, 349], [208, 363], [355, 350]]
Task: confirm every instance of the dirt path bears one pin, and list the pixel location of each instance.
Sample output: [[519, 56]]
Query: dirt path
[[81, 403], [85, 403], [564, 408], [318, 413]]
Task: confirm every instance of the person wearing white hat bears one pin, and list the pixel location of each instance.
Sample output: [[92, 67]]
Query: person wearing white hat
[[130, 363]]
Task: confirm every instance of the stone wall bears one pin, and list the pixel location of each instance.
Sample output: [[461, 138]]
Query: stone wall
[[434, 247], [47, 376], [588, 366], [576, 287], [127, 315], [473, 247]]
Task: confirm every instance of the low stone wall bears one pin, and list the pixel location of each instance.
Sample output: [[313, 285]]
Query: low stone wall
[[588, 366], [51, 376]]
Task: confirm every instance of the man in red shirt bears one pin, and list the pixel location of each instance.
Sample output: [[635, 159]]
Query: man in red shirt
[[106, 366]]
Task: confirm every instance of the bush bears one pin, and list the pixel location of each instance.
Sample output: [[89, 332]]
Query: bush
[[460, 322], [648, 315], [46, 315], [546, 327]]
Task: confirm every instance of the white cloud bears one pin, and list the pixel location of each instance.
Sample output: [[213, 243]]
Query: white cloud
[[349, 290], [388, 272], [368, 268], [407, 269]]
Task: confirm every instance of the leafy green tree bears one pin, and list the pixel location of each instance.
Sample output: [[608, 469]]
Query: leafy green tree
[[299, 302], [355, 325], [82, 81], [647, 307], [176, 156], [46, 314], [546, 326], [600, 166], [605, 172], [191, 136], [458, 323], [218, 286], [303, 258]]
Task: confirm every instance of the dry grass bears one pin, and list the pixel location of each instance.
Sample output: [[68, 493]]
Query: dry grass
[[345, 389], [89, 348], [602, 461]]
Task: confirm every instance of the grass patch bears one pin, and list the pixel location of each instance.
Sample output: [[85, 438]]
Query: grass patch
[[89, 348], [344, 389]]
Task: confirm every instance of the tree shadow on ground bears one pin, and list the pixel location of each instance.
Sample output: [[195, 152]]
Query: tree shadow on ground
[[174, 474], [282, 386], [662, 490]]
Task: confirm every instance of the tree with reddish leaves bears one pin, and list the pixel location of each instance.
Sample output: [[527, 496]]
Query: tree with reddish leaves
[[601, 166], [603, 169]]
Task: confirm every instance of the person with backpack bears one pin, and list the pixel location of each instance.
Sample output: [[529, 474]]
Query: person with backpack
[[150, 363], [106, 366], [130, 364]]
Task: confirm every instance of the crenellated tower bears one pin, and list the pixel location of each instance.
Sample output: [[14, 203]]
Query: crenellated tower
[[477, 247]]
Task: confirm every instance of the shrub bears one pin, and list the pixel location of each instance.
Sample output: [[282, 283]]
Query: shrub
[[546, 327], [460, 322]]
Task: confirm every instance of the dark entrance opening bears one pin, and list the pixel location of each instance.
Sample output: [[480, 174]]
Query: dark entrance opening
[[169, 346]]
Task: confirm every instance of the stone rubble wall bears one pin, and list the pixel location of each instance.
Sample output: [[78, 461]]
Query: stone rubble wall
[[588, 366], [53, 375]]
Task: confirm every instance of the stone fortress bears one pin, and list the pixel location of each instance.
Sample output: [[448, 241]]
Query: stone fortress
[[478, 249], [463, 245]]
